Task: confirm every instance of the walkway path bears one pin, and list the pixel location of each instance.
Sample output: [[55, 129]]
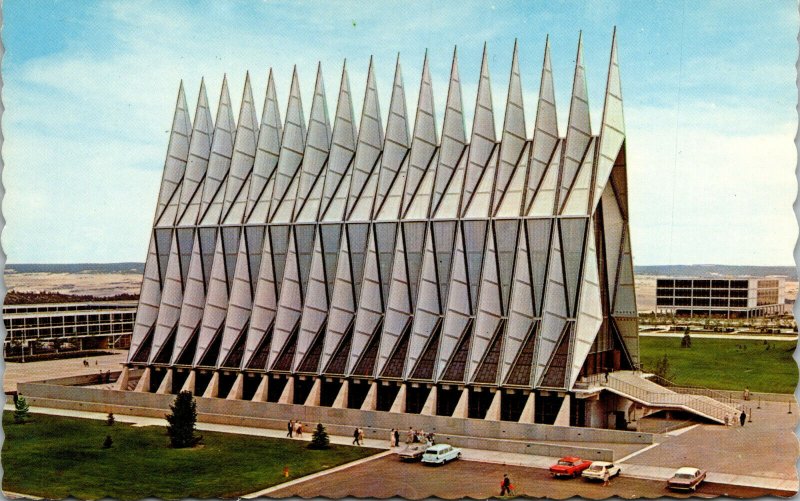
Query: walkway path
[[16, 372]]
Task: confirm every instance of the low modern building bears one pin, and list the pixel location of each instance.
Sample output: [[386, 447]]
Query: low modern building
[[733, 297], [96, 325], [347, 266]]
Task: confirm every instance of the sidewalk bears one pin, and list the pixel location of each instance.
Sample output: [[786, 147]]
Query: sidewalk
[[641, 471]]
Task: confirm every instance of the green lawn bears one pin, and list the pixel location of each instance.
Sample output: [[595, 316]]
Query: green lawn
[[56, 457], [725, 364]]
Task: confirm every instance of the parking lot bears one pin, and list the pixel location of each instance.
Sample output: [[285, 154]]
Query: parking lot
[[389, 477]]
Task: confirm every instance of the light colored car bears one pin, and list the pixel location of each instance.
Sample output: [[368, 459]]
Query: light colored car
[[412, 452], [440, 454], [686, 479], [598, 469]]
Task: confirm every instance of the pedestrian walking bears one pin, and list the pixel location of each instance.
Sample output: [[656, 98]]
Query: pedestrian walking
[[397, 437], [360, 436], [391, 438], [290, 427], [606, 478], [727, 420], [505, 485], [410, 435], [355, 437], [746, 394], [298, 429], [742, 418]]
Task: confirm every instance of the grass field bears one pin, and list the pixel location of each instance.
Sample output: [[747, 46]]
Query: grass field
[[725, 364], [56, 457]]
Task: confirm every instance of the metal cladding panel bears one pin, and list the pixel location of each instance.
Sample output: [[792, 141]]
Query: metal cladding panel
[[483, 138], [331, 238], [362, 210], [420, 205], [357, 235], [511, 204], [149, 299], [290, 302], [163, 238], [505, 232], [443, 233], [265, 299], [613, 226], [305, 236], [343, 144], [199, 151], [577, 203], [513, 140], [554, 313], [385, 235], [177, 155], [612, 128], [590, 312], [342, 303], [521, 315], [423, 144], [389, 208], [292, 147], [267, 152], [428, 305], [544, 199], [539, 244], [244, 154], [230, 248], [241, 295], [490, 309], [545, 131], [315, 155], [315, 308], [194, 298], [579, 129], [396, 143], [458, 310], [573, 243], [368, 148], [279, 247], [170, 306], [398, 308], [474, 246], [370, 304], [480, 203], [216, 305], [625, 298], [449, 203], [219, 162], [454, 138], [185, 238]]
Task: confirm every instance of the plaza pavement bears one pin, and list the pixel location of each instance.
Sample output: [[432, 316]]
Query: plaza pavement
[[15, 372], [746, 462]]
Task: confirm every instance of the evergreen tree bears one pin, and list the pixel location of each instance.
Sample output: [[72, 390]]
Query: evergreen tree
[[182, 420], [110, 419], [319, 439], [107, 442], [21, 413], [686, 341]]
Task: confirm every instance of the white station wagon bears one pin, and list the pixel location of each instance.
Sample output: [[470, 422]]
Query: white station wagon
[[440, 454], [598, 469]]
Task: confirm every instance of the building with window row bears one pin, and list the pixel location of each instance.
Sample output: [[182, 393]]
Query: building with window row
[[736, 297]]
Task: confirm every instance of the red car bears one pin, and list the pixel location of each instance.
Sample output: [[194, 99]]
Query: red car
[[570, 466]]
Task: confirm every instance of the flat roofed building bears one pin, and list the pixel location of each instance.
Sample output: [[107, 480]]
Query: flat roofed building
[[732, 297], [335, 263]]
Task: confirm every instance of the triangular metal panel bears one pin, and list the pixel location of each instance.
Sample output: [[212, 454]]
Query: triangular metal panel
[[613, 226], [199, 151], [396, 143], [219, 162], [264, 301], [171, 299], [625, 298], [315, 155], [521, 315], [370, 305], [480, 203], [149, 299], [241, 296], [216, 304], [342, 303], [539, 245], [511, 204], [343, 144], [267, 153], [573, 243], [426, 314], [315, 308], [177, 154], [577, 203], [194, 297], [458, 311], [370, 143], [292, 147], [544, 197], [244, 153], [490, 310]]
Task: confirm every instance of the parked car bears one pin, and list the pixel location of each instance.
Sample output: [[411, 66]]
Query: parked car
[[440, 454], [686, 479], [412, 452], [569, 466], [598, 469]]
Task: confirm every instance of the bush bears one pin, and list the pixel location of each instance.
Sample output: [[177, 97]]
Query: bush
[[110, 419], [22, 411], [319, 439], [107, 442], [686, 341], [182, 421]]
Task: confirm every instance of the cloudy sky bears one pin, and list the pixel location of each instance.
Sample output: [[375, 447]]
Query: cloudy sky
[[709, 90]]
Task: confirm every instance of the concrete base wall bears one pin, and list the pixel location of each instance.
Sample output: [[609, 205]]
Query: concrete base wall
[[473, 433]]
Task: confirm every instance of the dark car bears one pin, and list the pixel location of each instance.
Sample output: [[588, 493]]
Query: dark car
[[686, 479], [569, 466]]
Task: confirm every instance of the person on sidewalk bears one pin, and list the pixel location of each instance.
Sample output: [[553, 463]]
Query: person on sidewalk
[[505, 485], [298, 429], [391, 439], [606, 478], [355, 437], [360, 436], [742, 418], [290, 427], [397, 437]]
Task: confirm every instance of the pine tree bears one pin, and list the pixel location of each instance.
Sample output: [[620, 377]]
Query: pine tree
[[182, 420], [319, 439], [110, 419], [21, 413], [107, 442]]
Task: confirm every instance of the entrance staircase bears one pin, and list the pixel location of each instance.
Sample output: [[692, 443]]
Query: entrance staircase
[[633, 386]]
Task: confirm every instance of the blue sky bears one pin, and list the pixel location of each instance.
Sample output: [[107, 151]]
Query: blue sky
[[709, 90]]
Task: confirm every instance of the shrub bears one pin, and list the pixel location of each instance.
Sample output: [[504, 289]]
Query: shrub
[[107, 442], [110, 419], [319, 439], [182, 421], [686, 341], [22, 411]]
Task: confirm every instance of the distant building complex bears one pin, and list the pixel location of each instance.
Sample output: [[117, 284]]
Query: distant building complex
[[737, 297]]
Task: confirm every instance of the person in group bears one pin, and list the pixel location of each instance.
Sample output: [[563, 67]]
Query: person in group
[[410, 435], [360, 436], [391, 438], [727, 420], [505, 485], [606, 478], [355, 437], [298, 429], [397, 437], [746, 394], [290, 428], [742, 418]]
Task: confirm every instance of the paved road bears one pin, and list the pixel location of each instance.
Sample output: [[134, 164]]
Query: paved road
[[722, 335], [388, 477]]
